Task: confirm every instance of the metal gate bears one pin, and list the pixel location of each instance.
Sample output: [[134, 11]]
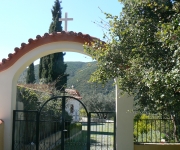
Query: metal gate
[[102, 130], [60, 125], [25, 125]]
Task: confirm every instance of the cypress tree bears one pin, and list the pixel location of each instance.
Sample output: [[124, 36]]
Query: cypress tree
[[52, 67], [30, 78], [55, 25]]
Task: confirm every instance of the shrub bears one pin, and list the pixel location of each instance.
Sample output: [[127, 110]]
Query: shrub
[[151, 136], [72, 129]]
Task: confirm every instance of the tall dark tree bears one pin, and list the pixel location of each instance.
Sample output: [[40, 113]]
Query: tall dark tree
[[52, 67], [30, 74]]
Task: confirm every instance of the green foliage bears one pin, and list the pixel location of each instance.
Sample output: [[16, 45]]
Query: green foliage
[[72, 129], [153, 129], [44, 63], [100, 103], [74, 67], [151, 137], [22, 77], [33, 99], [30, 74], [28, 97], [56, 14], [141, 125], [68, 117], [75, 128], [143, 53], [79, 75], [52, 67], [82, 113]]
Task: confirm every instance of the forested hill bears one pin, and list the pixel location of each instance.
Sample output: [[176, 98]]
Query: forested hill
[[79, 74]]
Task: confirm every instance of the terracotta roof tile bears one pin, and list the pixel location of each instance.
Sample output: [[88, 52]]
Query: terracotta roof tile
[[73, 93], [41, 40]]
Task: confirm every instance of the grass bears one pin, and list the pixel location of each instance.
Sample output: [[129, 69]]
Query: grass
[[77, 143], [101, 138]]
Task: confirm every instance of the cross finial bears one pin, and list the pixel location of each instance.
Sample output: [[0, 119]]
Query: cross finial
[[65, 19]]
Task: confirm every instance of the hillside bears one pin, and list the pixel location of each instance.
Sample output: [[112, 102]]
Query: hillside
[[79, 74]]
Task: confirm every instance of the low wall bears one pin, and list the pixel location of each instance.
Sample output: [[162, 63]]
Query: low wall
[[1, 135], [47, 143], [157, 147]]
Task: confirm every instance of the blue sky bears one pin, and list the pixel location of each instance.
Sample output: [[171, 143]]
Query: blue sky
[[23, 19]]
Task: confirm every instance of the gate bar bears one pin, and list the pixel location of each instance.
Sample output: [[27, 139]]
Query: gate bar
[[114, 130], [14, 120], [88, 131], [89, 128], [37, 130], [63, 122], [13, 133]]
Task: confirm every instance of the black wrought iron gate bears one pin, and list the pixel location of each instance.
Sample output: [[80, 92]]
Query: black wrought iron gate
[[102, 130], [63, 123]]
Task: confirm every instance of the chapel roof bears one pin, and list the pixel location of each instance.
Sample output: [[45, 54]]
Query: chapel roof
[[41, 40], [73, 93]]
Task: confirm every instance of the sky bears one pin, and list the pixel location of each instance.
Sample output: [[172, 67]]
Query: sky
[[24, 19]]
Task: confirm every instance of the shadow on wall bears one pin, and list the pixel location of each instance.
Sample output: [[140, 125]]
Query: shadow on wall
[[1, 134]]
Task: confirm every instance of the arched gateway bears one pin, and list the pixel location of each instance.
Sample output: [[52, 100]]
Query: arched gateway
[[11, 68]]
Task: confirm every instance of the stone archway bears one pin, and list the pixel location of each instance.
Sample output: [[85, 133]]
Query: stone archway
[[11, 68]]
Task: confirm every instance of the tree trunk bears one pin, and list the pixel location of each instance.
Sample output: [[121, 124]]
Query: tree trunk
[[175, 128]]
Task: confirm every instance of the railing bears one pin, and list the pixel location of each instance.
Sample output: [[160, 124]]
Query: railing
[[101, 132], [157, 130]]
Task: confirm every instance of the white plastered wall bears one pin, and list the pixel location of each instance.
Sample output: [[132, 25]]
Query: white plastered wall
[[124, 120], [9, 77], [75, 113]]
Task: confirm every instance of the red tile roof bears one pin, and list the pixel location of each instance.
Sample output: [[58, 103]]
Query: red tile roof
[[73, 93], [41, 40]]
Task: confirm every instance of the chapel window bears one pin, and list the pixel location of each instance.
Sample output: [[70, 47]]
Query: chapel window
[[72, 108]]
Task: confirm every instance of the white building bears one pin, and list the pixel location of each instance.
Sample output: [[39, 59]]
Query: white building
[[73, 105]]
